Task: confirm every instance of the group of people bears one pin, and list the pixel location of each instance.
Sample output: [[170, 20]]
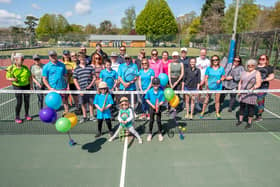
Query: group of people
[[78, 71]]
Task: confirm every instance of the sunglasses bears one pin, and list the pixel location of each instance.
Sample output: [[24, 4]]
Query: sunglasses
[[250, 65], [144, 63], [122, 49], [215, 60], [262, 58], [127, 58], [154, 54], [97, 58], [73, 55], [236, 60]]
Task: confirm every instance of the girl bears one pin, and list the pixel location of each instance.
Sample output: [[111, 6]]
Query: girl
[[214, 76], [103, 101], [145, 83], [125, 118], [191, 82]]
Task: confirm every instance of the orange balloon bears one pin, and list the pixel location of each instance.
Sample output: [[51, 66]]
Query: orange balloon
[[174, 102], [72, 118]]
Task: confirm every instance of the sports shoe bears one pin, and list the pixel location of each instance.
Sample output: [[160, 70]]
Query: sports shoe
[[187, 116], [238, 123], [92, 118], [140, 141], [18, 121], [191, 117], [148, 116], [201, 115], [160, 137], [142, 116], [218, 116], [110, 139], [98, 135], [28, 118], [149, 138], [230, 110], [83, 120], [249, 125], [259, 119]]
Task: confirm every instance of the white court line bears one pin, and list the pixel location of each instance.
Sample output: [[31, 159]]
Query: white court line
[[122, 180], [7, 102]]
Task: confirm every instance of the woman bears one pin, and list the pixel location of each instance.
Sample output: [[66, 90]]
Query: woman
[[165, 61], [74, 58], [70, 66], [214, 76], [175, 74], [155, 63], [191, 82], [98, 66], [232, 72], [267, 75], [20, 76], [145, 83], [248, 100], [36, 73]]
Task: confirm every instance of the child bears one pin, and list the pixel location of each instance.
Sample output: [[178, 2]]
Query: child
[[109, 75], [125, 118], [155, 98], [103, 101]]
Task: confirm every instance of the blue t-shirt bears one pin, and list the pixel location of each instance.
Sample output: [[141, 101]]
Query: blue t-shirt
[[214, 76], [152, 96], [146, 77], [99, 100], [55, 75], [109, 77], [123, 69]]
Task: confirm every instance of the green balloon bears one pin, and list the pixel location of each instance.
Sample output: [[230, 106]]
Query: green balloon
[[63, 125], [169, 93]]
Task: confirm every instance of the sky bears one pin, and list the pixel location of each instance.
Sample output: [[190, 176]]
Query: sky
[[83, 12]]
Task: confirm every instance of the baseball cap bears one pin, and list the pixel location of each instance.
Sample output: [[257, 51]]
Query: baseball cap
[[156, 81], [175, 53], [114, 54], [126, 56], [102, 85], [123, 99], [52, 52], [184, 49], [36, 56], [66, 52], [19, 55]]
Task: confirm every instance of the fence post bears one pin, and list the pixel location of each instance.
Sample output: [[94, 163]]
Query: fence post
[[132, 99]]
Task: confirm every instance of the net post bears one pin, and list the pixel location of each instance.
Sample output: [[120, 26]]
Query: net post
[[132, 99]]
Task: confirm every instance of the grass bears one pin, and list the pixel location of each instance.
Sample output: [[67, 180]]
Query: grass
[[130, 51]]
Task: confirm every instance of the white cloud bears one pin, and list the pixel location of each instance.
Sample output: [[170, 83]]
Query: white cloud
[[83, 7], [35, 6], [68, 14], [5, 1], [9, 19]]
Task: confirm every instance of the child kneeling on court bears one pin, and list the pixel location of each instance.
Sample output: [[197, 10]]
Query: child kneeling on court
[[155, 98], [125, 118], [103, 101]]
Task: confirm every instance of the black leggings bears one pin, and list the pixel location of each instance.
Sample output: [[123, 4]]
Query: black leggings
[[232, 98], [40, 97], [152, 118], [251, 109], [19, 100], [108, 122]]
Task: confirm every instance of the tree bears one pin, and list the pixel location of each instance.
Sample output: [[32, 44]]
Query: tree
[[247, 16], [31, 23], [128, 22], [157, 21], [105, 27], [74, 28], [212, 14], [185, 21], [90, 29], [263, 21], [275, 15]]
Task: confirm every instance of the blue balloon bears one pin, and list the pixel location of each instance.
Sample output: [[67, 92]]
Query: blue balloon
[[163, 79], [53, 100]]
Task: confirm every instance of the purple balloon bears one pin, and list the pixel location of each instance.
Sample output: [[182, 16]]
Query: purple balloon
[[48, 115]]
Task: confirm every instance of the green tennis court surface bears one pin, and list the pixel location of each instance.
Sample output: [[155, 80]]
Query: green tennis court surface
[[214, 153]]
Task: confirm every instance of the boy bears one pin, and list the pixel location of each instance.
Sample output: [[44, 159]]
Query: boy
[[155, 98]]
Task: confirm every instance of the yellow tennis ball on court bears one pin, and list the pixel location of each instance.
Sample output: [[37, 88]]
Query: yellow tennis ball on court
[[184, 129], [180, 127]]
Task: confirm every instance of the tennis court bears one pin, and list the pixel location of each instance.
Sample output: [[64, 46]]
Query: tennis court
[[213, 153]]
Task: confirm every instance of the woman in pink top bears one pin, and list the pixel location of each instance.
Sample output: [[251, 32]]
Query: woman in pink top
[[165, 62], [155, 63]]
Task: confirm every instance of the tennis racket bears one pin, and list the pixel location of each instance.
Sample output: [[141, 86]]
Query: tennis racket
[[250, 84], [105, 100], [157, 105], [130, 74]]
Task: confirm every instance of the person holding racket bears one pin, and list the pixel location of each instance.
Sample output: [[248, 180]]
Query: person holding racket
[[267, 75], [249, 80], [155, 63], [155, 98], [103, 101], [146, 76], [214, 76], [126, 120], [232, 72], [21, 79], [191, 82], [84, 80]]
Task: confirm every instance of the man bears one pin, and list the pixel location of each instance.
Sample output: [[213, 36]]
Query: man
[[55, 75], [138, 61], [115, 64], [184, 59], [84, 51], [120, 58], [100, 51]]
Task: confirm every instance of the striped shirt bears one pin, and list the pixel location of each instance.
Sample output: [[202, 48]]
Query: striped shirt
[[84, 75]]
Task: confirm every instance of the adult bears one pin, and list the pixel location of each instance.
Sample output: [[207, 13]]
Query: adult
[[175, 72], [83, 49], [20, 76], [267, 75], [115, 64], [120, 58], [100, 51], [183, 58], [214, 75], [55, 75], [146, 75], [37, 80], [232, 78], [155, 63], [165, 61], [98, 66], [70, 66], [248, 100], [191, 82], [141, 56], [74, 58]]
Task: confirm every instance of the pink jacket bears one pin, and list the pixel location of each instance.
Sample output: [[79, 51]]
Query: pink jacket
[[156, 66]]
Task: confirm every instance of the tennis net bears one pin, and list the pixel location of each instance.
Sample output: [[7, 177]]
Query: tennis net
[[209, 124]]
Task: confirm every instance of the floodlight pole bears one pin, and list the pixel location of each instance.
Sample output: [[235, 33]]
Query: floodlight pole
[[233, 38]]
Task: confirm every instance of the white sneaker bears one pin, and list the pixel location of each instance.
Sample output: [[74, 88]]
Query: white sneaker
[[160, 137], [149, 138], [140, 141], [110, 139]]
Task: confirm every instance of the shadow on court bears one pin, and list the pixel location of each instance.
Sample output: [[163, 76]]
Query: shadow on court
[[95, 146]]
